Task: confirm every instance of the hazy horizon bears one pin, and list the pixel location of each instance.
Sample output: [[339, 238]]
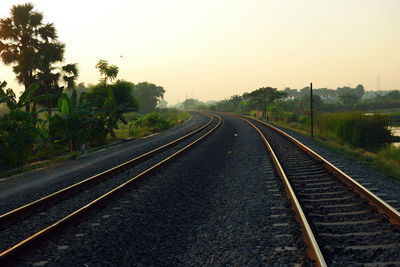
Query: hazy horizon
[[211, 50]]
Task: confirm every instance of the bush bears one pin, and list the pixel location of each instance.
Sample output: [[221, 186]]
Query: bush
[[154, 122], [17, 137], [292, 117], [356, 129]]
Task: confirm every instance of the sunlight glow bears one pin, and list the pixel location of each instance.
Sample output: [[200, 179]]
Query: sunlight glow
[[213, 49]]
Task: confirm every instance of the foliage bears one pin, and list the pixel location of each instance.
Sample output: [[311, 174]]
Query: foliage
[[275, 111], [292, 117], [191, 104], [18, 134], [108, 71], [156, 122], [71, 125], [349, 95], [112, 102], [303, 106], [148, 95], [354, 128], [9, 97], [31, 46], [162, 104], [264, 97], [342, 99]]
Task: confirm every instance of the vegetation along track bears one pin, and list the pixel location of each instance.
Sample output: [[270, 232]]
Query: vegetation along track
[[36, 221], [344, 222]]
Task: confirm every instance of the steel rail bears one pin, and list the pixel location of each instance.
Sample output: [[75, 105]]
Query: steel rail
[[12, 252], [314, 251], [384, 208], [37, 205]]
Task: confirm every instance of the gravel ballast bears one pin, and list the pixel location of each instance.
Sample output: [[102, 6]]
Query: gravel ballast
[[376, 182], [220, 203]]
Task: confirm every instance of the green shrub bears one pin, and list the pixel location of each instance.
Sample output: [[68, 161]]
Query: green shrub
[[51, 150], [18, 136], [292, 117], [355, 129], [304, 120], [155, 122]]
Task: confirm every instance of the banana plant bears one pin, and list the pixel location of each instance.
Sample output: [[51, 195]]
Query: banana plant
[[70, 125]]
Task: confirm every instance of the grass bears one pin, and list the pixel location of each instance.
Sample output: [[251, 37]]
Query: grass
[[140, 126], [386, 111], [153, 123], [122, 132], [394, 118]]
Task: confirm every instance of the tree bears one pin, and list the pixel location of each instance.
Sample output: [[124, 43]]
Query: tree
[[50, 75], [304, 104], [359, 90], [148, 95], [393, 95], [264, 97], [162, 104], [349, 96], [112, 102], [191, 104], [291, 93], [20, 38], [108, 71], [235, 101]]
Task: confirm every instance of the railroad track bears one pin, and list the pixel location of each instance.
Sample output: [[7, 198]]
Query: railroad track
[[23, 228], [342, 222]]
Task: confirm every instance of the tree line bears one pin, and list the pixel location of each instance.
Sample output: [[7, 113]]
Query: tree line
[[261, 99], [277, 102], [53, 113]]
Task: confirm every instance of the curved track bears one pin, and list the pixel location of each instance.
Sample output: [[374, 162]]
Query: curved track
[[343, 222], [49, 214]]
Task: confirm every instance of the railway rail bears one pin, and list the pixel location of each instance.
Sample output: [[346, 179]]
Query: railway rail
[[48, 215], [343, 223]]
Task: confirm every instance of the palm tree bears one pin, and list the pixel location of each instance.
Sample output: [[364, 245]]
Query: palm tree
[[49, 76], [70, 73], [20, 37]]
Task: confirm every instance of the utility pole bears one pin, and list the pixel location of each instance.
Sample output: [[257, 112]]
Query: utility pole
[[312, 112]]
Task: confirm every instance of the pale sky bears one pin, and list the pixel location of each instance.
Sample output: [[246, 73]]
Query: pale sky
[[212, 49]]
